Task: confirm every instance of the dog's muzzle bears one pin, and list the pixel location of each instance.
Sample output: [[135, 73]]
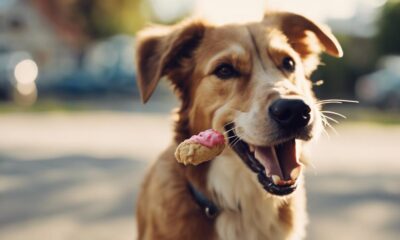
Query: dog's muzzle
[[277, 166]]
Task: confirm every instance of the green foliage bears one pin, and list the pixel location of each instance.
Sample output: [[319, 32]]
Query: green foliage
[[103, 18], [360, 55], [340, 75], [388, 37]]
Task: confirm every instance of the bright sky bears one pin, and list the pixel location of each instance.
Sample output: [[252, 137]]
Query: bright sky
[[242, 10], [223, 11], [321, 10]]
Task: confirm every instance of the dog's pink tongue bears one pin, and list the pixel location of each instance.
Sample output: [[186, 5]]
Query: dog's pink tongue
[[280, 160], [268, 158], [286, 153]]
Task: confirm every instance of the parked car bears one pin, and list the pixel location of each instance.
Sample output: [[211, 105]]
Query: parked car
[[381, 88], [106, 67]]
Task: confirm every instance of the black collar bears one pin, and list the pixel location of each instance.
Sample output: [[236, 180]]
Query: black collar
[[209, 208]]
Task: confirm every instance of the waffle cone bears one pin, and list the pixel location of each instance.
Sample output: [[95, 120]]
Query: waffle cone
[[194, 153]]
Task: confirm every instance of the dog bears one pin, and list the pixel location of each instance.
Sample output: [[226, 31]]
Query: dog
[[252, 82]]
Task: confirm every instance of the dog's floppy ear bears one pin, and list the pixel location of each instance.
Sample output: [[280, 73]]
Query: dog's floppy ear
[[306, 37], [159, 50]]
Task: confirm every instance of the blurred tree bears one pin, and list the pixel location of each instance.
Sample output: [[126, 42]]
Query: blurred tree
[[340, 75], [93, 19], [103, 18], [388, 37], [361, 55], [81, 22]]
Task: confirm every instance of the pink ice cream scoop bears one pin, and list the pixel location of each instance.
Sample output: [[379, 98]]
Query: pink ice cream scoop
[[208, 138], [200, 148]]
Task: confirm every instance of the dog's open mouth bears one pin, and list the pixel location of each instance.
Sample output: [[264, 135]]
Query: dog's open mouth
[[277, 167]]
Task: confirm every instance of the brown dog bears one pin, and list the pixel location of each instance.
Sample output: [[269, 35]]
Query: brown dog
[[251, 82]]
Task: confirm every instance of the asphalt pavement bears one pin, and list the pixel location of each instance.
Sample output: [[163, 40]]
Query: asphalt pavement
[[75, 175]]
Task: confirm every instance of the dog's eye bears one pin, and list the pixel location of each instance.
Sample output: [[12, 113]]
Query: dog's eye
[[225, 71], [288, 64]]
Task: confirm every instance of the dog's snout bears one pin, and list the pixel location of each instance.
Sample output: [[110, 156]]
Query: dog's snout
[[290, 113]]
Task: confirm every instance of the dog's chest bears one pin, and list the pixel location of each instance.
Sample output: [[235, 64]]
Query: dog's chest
[[247, 212]]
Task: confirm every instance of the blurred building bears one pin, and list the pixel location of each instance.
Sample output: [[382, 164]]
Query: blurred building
[[26, 34], [68, 61]]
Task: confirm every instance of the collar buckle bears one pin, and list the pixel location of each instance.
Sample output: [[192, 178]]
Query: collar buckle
[[210, 209]]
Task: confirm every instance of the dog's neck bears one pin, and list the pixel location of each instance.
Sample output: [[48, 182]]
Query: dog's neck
[[246, 208]]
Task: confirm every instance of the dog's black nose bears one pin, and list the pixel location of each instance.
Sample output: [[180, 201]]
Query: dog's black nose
[[290, 113]]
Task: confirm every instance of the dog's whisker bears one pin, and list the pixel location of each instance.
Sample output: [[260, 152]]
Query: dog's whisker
[[331, 127], [324, 120], [236, 141], [330, 101], [324, 126], [338, 100], [334, 113], [231, 137], [227, 131], [228, 123], [334, 101], [332, 119], [324, 103], [326, 132]]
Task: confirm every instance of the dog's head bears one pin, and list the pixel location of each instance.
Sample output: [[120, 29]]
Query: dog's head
[[250, 81]]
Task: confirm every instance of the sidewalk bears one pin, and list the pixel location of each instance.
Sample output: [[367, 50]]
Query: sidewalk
[[76, 176]]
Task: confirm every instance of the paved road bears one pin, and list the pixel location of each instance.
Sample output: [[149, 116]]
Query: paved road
[[76, 176]]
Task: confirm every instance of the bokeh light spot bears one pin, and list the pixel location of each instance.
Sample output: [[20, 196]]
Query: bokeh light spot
[[26, 71]]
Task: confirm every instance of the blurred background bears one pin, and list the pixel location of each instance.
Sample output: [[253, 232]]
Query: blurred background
[[72, 129]]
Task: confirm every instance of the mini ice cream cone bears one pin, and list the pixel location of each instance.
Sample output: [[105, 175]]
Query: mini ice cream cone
[[200, 148]]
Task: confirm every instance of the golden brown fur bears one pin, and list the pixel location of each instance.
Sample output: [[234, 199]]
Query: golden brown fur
[[187, 55]]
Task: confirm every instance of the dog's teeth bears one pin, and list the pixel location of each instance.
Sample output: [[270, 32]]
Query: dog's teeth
[[276, 179], [294, 174], [290, 182], [282, 182], [252, 148]]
